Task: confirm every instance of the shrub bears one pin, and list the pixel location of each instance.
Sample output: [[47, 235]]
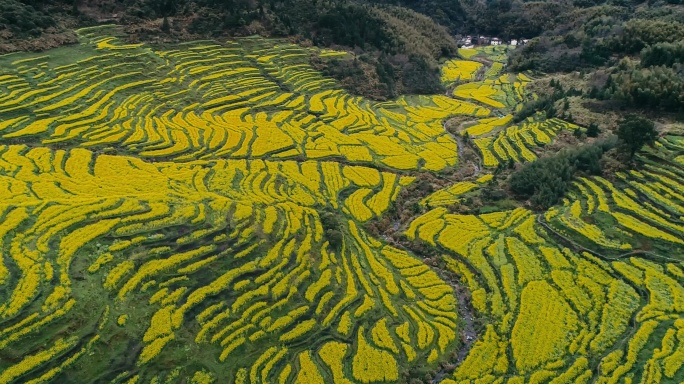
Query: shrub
[[593, 130]]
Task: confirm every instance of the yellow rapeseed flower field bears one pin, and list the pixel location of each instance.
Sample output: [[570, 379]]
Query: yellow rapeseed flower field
[[212, 212]]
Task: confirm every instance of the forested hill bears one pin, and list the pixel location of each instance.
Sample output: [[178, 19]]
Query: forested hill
[[397, 49], [399, 43]]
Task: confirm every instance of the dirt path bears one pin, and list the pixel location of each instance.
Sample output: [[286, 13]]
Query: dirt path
[[458, 138], [476, 167], [465, 311], [468, 334], [460, 144]]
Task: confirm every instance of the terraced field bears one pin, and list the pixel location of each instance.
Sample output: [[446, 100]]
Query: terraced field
[[589, 291], [197, 214], [641, 210], [505, 91], [516, 142]]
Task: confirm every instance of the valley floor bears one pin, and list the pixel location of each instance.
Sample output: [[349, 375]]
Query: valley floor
[[202, 213]]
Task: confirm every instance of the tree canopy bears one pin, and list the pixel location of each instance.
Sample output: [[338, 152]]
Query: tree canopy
[[545, 181], [634, 132]]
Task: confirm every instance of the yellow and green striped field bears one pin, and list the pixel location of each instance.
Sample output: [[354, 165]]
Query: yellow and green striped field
[[199, 213]]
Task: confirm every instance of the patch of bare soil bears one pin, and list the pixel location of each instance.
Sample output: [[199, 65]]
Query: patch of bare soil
[[456, 124], [50, 39], [102, 11]]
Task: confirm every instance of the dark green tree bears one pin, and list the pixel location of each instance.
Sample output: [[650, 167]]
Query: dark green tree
[[593, 130], [545, 181], [663, 54], [166, 26], [634, 132], [577, 133]]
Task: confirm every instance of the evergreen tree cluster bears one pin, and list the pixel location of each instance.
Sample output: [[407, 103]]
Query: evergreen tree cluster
[[545, 181], [22, 19], [663, 54], [599, 36], [656, 87]]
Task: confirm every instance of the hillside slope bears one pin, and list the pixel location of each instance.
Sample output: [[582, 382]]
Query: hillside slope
[[220, 211], [357, 200], [397, 50]]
